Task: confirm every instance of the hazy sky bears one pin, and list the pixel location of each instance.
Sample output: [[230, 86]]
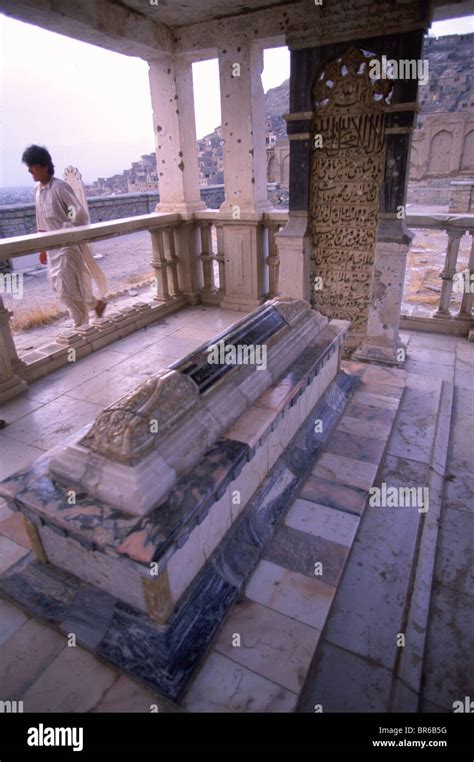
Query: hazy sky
[[91, 107]]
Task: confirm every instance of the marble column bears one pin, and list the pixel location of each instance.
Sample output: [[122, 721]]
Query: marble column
[[294, 240], [382, 343], [171, 87], [244, 153]]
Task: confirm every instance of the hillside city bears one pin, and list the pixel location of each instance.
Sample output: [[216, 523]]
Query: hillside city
[[450, 88]]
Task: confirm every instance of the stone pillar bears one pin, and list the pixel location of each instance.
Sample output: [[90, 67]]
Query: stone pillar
[[10, 383], [243, 128], [243, 133], [382, 343], [294, 240], [171, 86]]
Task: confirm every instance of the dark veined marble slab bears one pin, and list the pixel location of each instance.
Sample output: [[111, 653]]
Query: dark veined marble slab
[[165, 657], [251, 332]]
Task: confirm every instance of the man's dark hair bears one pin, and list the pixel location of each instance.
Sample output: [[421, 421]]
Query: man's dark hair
[[38, 155]]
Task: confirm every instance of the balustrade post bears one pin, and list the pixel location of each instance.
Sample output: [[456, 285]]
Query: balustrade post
[[206, 256], [173, 262], [10, 383], [273, 260], [468, 296], [454, 239], [221, 258], [160, 266]]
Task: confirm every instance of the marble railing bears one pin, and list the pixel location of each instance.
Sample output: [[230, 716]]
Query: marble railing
[[172, 283], [188, 268], [456, 226], [212, 223], [442, 318]]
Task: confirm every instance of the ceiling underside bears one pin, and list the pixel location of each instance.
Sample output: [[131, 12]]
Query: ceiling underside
[[176, 13]]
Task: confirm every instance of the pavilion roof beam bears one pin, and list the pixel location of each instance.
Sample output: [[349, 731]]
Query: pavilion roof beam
[[107, 24], [268, 26]]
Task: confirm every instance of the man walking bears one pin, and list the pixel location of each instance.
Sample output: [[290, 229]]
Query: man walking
[[71, 268]]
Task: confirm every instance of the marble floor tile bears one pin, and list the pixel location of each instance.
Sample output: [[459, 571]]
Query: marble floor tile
[[128, 696], [382, 390], [135, 342], [333, 495], [25, 656], [352, 446], [459, 489], [300, 552], [195, 333], [74, 682], [432, 355], [67, 378], [290, 593], [222, 685], [16, 408], [414, 431], [433, 370], [322, 521], [432, 340], [391, 376], [271, 644], [375, 400], [14, 528], [10, 553], [105, 389], [454, 564], [5, 511], [54, 422], [11, 619], [465, 352], [15, 455], [145, 364], [348, 471], [341, 681], [359, 427], [175, 345], [464, 401], [450, 640], [464, 377], [370, 413]]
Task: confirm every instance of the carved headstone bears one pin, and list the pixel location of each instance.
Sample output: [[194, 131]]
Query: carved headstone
[[346, 175]]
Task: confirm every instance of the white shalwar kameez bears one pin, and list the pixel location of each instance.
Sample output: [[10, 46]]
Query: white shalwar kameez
[[72, 268]]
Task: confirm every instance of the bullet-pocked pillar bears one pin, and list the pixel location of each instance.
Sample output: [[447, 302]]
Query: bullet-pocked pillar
[[243, 127], [171, 87], [245, 180]]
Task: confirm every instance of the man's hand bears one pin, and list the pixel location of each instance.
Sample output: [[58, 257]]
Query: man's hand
[[43, 257]]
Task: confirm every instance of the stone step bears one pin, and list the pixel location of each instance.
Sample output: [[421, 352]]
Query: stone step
[[370, 654], [287, 599]]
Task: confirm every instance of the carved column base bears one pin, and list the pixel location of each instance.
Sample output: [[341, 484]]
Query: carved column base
[[384, 353], [12, 387], [243, 248], [294, 250], [382, 343]]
